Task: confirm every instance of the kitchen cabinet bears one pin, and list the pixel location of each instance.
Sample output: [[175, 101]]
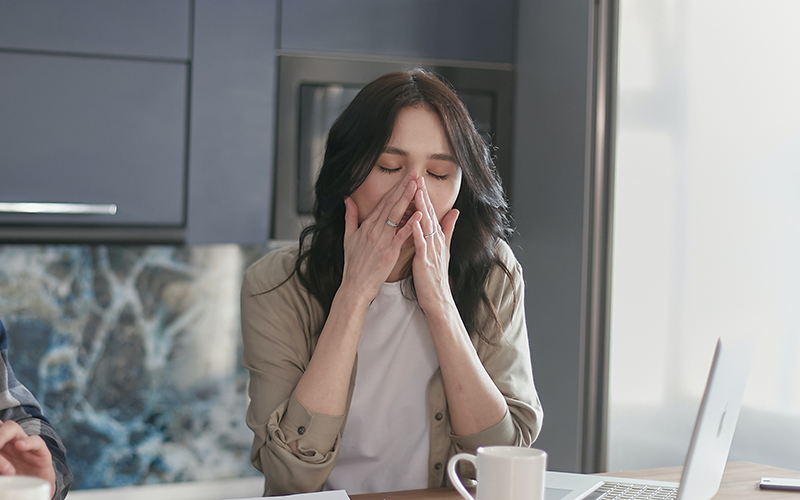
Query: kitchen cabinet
[[232, 121], [93, 107], [468, 30], [119, 28], [167, 108], [161, 111], [93, 131]]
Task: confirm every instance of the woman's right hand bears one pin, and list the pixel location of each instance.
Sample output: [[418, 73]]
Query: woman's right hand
[[372, 249]]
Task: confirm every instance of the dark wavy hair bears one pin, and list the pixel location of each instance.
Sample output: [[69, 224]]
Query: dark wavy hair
[[356, 140]]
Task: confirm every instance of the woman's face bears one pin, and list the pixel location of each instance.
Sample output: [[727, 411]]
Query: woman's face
[[418, 144]]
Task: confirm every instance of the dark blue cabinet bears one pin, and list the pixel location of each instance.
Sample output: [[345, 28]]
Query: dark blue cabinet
[[465, 30], [93, 115], [232, 121], [166, 108], [93, 131], [162, 109], [127, 28]]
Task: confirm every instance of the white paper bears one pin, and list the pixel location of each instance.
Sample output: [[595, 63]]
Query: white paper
[[318, 495]]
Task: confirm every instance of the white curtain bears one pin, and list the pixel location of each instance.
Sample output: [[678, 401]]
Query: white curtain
[[706, 231]]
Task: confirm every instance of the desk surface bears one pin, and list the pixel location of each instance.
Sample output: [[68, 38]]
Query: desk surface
[[740, 481]]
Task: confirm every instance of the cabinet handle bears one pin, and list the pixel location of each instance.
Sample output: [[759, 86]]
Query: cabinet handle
[[57, 208]]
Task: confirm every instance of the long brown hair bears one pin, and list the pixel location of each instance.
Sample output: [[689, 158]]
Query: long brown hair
[[356, 140]]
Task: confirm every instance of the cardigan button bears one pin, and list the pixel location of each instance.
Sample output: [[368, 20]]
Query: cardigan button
[[301, 430], [438, 466], [439, 416]]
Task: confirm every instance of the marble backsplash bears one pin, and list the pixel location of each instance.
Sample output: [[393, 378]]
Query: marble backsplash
[[134, 354]]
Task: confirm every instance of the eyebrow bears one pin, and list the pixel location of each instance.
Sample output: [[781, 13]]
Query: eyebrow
[[438, 156]]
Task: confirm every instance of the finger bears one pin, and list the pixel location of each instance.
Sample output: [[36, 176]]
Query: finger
[[379, 213], [434, 220], [6, 469], [350, 217], [404, 232], [34, 445], [396, 207], [420, 242], [449, 225], [10, 431], [428, 224]]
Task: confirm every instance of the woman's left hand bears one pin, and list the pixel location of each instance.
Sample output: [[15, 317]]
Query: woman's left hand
[[473, 400], [432, 253]]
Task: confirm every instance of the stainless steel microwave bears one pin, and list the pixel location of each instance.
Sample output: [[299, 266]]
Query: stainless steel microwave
[[314, 90]]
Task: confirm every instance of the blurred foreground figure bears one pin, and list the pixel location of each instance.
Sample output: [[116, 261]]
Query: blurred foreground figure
[[29, 445]]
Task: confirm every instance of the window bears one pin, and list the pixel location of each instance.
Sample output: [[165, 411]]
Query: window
[[706, 238]]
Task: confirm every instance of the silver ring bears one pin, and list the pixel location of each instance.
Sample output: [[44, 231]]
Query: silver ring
[[430, 235], [390, 223]]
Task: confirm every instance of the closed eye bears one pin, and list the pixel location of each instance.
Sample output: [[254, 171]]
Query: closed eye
[[438, 177], [388, 170]]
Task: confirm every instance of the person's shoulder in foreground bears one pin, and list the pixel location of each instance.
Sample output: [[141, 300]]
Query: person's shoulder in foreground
[[28, 443]]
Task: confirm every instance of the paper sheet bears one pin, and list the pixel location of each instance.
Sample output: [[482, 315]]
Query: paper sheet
[[318, 495]]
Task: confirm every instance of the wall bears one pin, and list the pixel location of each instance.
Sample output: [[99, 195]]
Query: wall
[[550, 171], [134, 353]]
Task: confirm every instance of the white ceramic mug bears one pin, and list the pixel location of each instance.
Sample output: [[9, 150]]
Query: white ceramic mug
[[24, 488], [504, 473]]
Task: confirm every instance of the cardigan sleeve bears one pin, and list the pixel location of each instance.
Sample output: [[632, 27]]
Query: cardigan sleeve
[[508, 363], [277, 327]]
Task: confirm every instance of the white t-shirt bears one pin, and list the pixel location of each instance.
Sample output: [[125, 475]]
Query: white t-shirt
[[386, 439]]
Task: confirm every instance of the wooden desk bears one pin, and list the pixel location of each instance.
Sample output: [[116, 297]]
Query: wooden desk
[[740, 481]]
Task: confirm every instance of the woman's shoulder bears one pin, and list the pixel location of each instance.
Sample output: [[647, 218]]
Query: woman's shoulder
[[271, 270], [506, 273], [506, 256]]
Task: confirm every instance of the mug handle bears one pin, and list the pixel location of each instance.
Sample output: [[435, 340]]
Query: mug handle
[[451, 471]]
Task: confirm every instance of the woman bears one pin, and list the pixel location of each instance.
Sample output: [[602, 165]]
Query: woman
[[393, 335]]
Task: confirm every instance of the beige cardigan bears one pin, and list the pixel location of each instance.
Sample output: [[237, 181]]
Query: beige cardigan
[[278, 328]]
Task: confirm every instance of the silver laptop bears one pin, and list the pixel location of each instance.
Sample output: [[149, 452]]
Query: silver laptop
[[708, 450]]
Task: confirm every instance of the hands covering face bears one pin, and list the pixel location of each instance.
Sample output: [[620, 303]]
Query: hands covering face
[[373, 249], [25, 455], [432, 251]]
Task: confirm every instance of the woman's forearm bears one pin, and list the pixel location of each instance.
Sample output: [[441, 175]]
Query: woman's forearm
[[474, 401], [324, 386]]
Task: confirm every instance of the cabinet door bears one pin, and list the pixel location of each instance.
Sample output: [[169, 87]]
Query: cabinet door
[[232, 124], [471, 30], [142, 28], [93, 131]]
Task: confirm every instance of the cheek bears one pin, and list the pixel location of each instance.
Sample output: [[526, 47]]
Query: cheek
[[367, 196], [361, 202], [443, 199], [365, 206]]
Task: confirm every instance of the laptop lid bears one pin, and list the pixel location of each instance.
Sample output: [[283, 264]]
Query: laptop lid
[[712, 436], [716, 420]]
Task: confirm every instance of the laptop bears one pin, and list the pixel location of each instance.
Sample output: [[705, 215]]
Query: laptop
[[708, 450]]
